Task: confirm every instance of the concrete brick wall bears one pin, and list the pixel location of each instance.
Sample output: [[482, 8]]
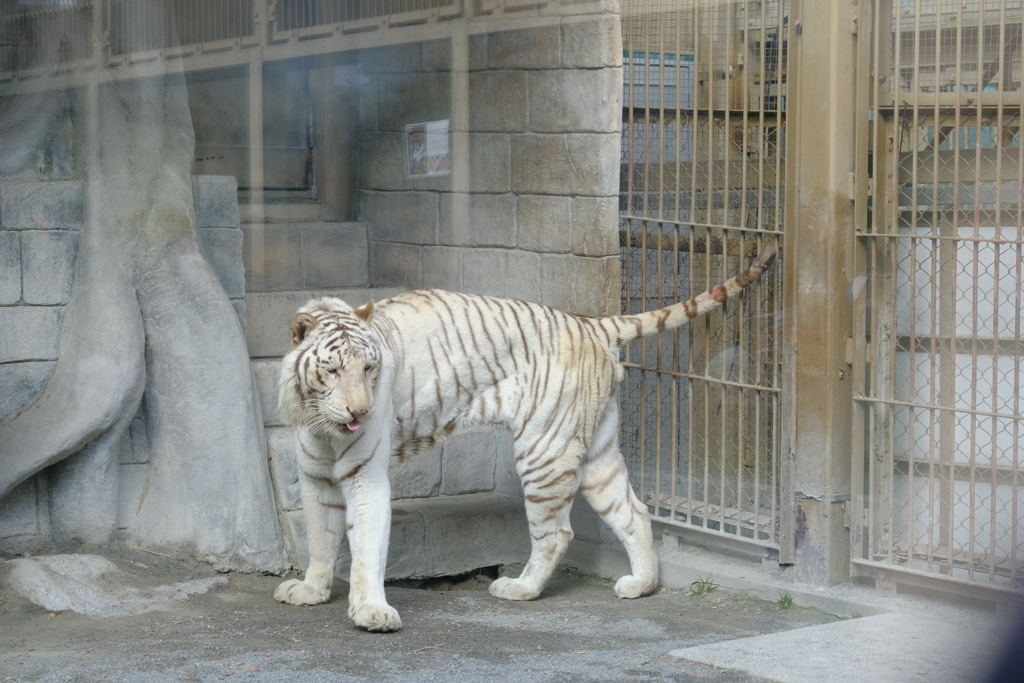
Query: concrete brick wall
[[216, 203], [538, 216], [40, 224], [472, 474], [536, 219], [297, 256], [466, 483]]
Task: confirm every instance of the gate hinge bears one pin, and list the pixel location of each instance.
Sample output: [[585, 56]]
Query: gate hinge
[[851, 189], [848, 351]]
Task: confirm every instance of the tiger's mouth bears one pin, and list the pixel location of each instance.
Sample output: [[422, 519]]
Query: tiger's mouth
[[342, 421]]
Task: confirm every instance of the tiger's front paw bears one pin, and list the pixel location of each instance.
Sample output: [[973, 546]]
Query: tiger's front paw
[[512, 589], [629, 587], [375, 617], [295, 592]]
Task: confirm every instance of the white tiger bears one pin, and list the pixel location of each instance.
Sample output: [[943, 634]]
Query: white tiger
[[362, 384]]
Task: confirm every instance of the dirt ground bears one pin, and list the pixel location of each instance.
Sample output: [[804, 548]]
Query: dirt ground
[[576, 631]]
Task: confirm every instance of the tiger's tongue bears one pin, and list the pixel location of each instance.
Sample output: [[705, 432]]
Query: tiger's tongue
[[354, 425]]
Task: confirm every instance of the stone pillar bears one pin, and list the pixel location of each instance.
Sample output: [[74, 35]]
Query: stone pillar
[[818, 261]]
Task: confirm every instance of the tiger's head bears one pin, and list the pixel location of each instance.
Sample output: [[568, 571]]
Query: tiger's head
[[329, 375]]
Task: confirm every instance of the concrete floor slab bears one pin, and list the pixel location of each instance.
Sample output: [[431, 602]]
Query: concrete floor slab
[[453, 632], [456, 632], [885, 647]]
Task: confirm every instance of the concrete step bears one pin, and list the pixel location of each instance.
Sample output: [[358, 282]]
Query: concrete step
[[883, 647], [440, 536], [305, 255], [289, 212], [269, 314]]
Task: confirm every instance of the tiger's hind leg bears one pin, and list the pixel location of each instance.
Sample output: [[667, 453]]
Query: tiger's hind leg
[[604, 482], [550, 481]]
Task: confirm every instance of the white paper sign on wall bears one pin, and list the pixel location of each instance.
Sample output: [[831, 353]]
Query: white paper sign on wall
[[426, 146]]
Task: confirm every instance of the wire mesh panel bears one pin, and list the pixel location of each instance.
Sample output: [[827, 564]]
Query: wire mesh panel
[[140, 25], [701, 193], [943, 382], [42, 33], [291, 15]]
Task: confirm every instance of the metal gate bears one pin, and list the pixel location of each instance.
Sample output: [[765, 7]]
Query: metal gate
[[937, 351], [938, 474], [702, 168]]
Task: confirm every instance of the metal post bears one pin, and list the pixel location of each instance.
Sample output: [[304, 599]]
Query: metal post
[[819, 233], [92, 87], [256, 182], [459, 124]]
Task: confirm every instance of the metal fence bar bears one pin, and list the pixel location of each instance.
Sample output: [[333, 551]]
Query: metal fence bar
[[862, 142], [1016, 512], [973, 413], [659, 68], [697, 471], [700, 424], [993, 423], [973, 453], [933, 318], [945, 352]]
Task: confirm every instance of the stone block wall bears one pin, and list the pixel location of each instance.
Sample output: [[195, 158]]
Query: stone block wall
[[305, 256], [471, 475], [216, 203], [534, 212], [40, 224], [436, 496]]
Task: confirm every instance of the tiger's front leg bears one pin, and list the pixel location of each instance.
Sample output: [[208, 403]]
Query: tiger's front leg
[[324, 505], [368, 493]]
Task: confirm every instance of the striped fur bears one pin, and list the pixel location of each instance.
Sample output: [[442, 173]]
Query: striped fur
[[365, 384]]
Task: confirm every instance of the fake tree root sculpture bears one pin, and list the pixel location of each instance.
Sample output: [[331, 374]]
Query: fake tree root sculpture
[[148, 322]]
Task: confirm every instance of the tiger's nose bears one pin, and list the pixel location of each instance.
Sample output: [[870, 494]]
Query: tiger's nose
[[356, 414]]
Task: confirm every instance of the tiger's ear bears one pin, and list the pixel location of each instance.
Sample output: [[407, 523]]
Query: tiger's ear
[[365, 311], [302, 323]]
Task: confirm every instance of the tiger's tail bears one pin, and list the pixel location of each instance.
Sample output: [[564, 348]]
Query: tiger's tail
[[632, 327]]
